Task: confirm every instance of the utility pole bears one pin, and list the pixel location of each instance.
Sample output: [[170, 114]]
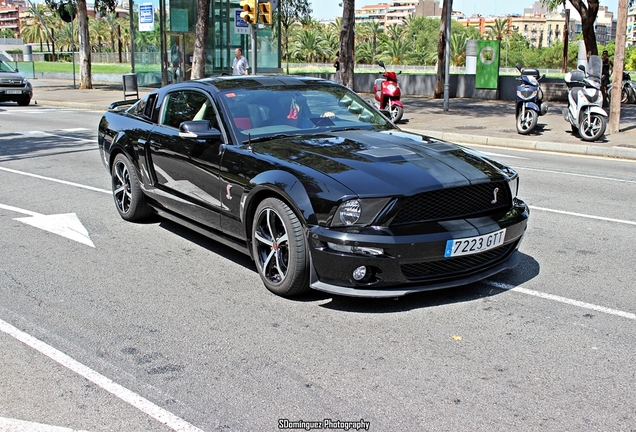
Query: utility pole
[[617, 72]]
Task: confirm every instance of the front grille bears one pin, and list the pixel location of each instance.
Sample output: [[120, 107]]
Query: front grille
[[454, 203], [452, 266], [6, 82]]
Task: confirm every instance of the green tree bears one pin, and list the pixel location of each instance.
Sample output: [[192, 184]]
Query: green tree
[[7, 33], [288, 13], [396, 51], [308, 45], [99, 32], [588, 10], [79, 7], [499, 30], [372, 30]]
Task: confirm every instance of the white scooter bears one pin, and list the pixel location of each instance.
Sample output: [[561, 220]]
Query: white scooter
[[585, 101]]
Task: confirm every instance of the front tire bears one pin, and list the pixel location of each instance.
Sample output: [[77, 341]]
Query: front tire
[[129, 199], [593, 128], [279, 248], [24, 102], [527, 122]]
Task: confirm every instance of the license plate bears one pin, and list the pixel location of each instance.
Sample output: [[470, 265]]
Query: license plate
[[473, 245], [13, 91]]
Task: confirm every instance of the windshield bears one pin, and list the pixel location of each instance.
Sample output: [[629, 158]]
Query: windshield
[[595, 66], [296, 110], [6, 68]]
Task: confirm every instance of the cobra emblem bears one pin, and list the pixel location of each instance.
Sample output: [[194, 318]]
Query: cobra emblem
[[495, 192], [228, 189]]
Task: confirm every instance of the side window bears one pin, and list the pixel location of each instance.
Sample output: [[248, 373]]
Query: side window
[[185, 105]]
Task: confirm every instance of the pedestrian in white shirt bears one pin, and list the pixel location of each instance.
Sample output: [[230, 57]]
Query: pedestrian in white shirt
[[239, 66]]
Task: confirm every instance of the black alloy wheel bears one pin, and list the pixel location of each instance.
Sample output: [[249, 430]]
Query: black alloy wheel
[[129, 199], [279, 248]]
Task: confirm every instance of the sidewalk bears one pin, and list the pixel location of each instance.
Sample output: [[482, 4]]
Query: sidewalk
[[468, 121]]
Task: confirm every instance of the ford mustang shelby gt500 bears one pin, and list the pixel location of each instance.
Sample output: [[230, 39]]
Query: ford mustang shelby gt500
[[316, 185]]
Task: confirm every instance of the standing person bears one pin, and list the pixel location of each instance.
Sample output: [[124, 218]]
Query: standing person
[[605, 74], [336, 65], [239, 66]]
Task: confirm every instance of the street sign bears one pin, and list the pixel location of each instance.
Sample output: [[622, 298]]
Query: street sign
[[240, 26], [146, 17]]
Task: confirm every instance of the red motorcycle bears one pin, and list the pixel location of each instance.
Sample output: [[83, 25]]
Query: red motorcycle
[[387, 94]]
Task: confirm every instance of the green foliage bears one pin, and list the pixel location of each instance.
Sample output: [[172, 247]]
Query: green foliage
[[7, 33]]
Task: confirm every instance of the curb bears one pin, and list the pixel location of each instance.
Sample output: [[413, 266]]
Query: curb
[[74, 105], [581, 149]]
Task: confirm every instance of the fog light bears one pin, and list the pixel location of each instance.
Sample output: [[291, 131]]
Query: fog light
[[360, 273]]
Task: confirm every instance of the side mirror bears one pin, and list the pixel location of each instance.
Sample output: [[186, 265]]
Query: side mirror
[[199, 129], [518, 66], [381, 64], [581, 67]]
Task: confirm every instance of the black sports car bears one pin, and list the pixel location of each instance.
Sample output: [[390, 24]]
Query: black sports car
[[317, 186]]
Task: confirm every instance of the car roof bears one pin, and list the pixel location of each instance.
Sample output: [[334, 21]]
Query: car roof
[[252, 81]]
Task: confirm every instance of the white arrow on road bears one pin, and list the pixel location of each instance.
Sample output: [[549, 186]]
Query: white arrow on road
[[66, 225]]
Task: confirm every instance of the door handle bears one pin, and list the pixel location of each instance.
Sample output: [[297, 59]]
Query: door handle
[[155, 144]]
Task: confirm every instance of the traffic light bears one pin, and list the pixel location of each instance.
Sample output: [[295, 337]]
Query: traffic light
[[265, 13], [249, 11]]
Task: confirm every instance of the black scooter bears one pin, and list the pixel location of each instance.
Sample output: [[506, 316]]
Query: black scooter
[[529, 100]]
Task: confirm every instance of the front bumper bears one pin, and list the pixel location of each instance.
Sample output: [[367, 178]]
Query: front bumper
[[413, 258], [15, 93]]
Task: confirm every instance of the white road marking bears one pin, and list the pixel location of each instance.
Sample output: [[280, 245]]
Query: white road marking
[[55, 180], [66, 225], [565, 300], [133, 399], [503, 155], [583, 215], [13, 425], [576, 175]]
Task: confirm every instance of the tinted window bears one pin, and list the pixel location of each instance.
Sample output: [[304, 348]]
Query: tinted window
[[186, 105]]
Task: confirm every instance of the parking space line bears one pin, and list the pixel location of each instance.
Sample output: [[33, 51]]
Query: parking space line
[[117, 390], [560, 299]]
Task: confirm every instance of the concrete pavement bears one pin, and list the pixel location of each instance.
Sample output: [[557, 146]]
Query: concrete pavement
[[468, 121]]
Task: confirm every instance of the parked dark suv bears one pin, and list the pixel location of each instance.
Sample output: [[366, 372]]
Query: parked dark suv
[[14, 86]]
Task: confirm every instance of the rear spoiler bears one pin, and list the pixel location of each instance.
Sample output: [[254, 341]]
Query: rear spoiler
[[117, 106]]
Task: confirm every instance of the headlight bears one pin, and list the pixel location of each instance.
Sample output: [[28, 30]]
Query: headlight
[[349, 212], [526, 95], [358, 212], [391, 88]]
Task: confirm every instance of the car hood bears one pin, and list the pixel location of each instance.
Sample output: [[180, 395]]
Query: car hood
[[16, 76], [384, 163]]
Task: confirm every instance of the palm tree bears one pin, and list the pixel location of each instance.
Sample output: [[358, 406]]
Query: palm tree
[[39, 28], [396, 51], [395, 31], [499, 31], [373, 29], [99, 31], [458, 49], [308, 45]]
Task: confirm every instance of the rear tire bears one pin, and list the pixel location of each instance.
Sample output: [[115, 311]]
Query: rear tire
[[129, 198], [526, 123], [593, 129]]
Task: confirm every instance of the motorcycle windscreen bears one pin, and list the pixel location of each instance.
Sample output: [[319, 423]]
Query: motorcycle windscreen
[[595, 66]]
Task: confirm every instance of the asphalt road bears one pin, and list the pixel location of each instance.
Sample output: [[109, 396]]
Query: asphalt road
[[151, 327]]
